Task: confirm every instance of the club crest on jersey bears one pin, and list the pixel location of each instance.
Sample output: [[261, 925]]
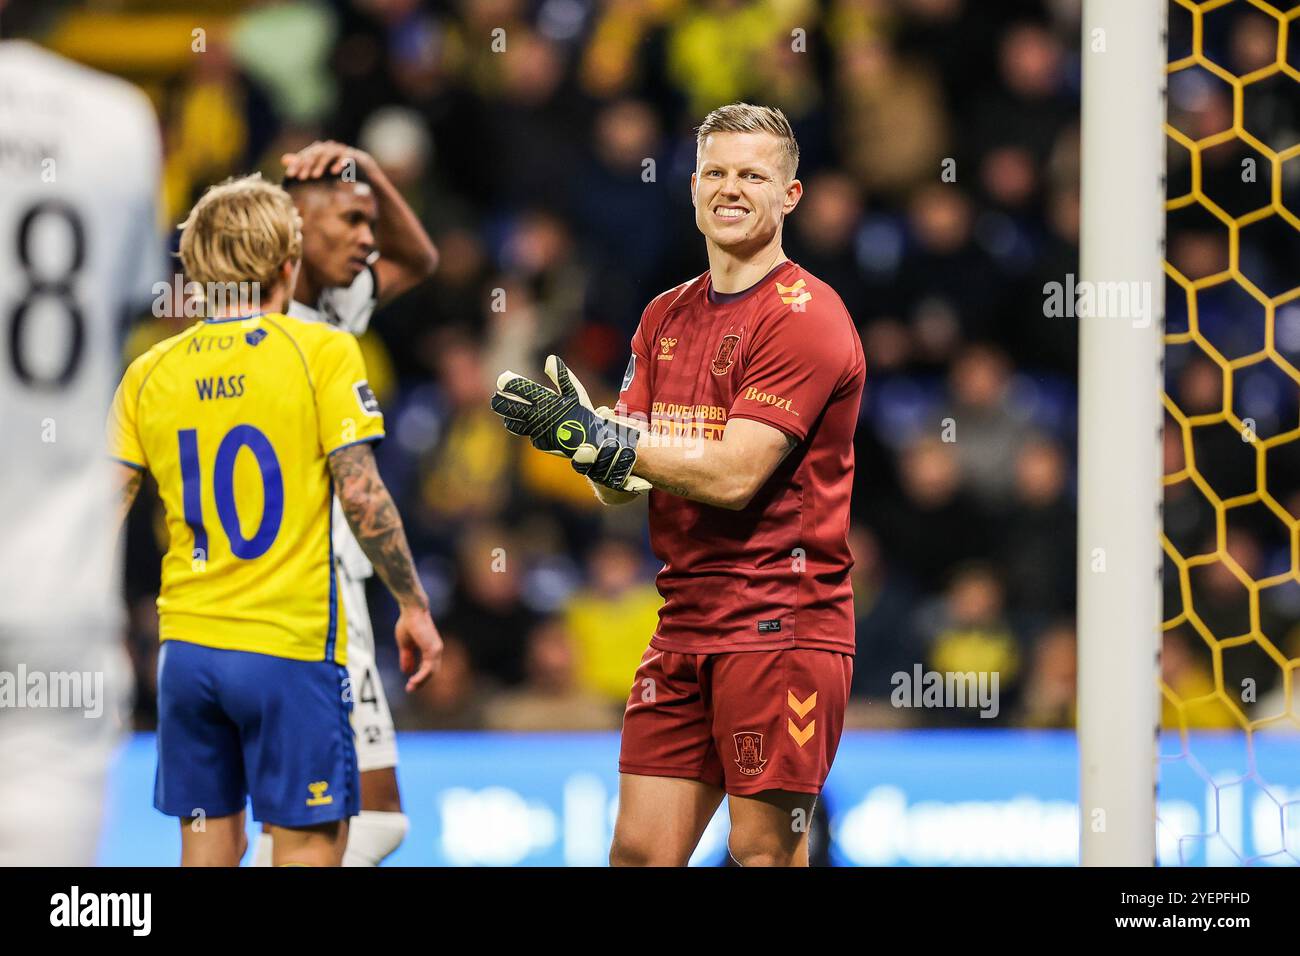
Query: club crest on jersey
[[666, 346], [749, 753], [366, 398], [726, 354], [255, 337], [795, 295]]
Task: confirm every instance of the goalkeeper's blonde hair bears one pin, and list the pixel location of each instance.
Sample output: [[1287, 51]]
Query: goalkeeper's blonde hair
[[748, 118], [241, 230]]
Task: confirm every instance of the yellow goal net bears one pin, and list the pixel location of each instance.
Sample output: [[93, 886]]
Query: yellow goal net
[[1231, 536]]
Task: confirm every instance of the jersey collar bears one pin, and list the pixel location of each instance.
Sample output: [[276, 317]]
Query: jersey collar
[[297, 310], [235, 318], [722, 298]]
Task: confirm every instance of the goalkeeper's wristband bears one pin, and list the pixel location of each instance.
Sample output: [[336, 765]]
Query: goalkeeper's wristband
[[611, 464]]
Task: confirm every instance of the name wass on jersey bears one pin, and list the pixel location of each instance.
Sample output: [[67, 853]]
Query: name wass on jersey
[[236, 418], [79, 244]]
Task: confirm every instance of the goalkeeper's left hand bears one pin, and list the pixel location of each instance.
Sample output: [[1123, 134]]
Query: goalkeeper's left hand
[[561, 421]]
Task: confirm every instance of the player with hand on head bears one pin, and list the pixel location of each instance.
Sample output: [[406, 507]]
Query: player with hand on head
[[363, 246], [738, 405], [248, 420]]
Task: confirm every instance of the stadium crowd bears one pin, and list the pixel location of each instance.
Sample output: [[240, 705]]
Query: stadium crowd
[[547, 146]]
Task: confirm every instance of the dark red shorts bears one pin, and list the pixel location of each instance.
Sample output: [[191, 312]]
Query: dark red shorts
[[743, 721]]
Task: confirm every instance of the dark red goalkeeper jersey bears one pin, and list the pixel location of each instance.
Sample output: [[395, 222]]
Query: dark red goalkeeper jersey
[[783, 352]]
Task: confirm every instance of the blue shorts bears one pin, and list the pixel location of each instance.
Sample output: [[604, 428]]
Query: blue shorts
[[233, 724]]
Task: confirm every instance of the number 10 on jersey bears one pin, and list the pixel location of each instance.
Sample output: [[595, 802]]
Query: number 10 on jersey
[[223, 491]]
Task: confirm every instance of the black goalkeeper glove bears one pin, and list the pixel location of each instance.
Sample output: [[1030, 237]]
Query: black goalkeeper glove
[[561, 421]]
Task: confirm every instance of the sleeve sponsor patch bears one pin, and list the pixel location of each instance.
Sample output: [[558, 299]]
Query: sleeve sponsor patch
[[366, 398]]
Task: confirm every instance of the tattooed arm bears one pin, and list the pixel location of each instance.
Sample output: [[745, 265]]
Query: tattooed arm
[[126, 485], [374, 520], [373, 517]]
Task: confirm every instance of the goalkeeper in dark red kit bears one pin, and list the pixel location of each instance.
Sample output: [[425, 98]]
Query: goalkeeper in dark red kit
[[738, 408]]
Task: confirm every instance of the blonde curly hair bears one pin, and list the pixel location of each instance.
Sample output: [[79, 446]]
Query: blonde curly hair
[[242, 230]]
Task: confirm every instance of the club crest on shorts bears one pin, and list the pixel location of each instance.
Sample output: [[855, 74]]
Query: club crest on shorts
[[726, 354], [749, 752]]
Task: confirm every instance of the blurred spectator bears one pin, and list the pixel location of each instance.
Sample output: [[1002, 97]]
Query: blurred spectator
[[937, 524], [399, 141], [469, 473], [1185, 672], [487, 610], [615, 187], [284, 47], [891, 125], [1030, 104], [1050, 687], [967, 631], [453, 699], [1039, 534], [883, 605], [612, 619], [988, 429], [551, 697], [824, 237], [713, 47], [954, 288], [540, 252]]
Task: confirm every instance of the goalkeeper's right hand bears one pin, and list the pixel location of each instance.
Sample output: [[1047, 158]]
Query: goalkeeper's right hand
[[599, 463]]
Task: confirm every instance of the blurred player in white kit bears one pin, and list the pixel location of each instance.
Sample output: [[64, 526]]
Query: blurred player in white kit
[[79, 247], [362, 246]]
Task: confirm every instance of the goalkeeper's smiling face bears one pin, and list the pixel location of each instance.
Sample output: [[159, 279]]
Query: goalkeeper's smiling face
[[741, 191]]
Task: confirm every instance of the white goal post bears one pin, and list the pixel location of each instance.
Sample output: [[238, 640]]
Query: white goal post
[[1120, 380]]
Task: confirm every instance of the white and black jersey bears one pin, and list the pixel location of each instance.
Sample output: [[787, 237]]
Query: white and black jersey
[[347, 308], [350, 308]]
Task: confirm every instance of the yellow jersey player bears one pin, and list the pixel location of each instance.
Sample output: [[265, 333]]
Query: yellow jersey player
[[249, 422], [362, 246]]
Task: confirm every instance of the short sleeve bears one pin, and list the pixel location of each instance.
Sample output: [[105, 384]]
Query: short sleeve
[[348, 410], [793, 368], [123, 434], [634, 393]]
